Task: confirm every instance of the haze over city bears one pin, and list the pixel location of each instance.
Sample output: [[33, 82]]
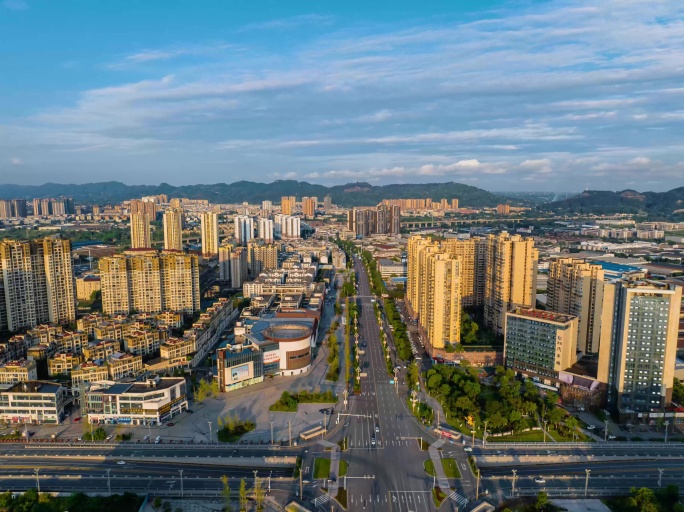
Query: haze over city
[[556, 95]]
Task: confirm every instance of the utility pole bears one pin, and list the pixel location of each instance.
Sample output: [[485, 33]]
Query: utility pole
[[289, 431], [477, 488], [271, 431], [660, 477], [515, 471], [484, 434], [210, 436], [109, 481], [149, 431], [605, 432], [301, 486], [545, 423], [667, 423], [269, 481], [586, 482], [181, 481], [37, 480]]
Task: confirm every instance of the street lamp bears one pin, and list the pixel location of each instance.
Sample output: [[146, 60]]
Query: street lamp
[[181, 481], [545, 422], [271, 431], [210, 436], [37, 480], [515, 472], [484, 434], [667, 422], [269, 481], [586, 482], [605, 432], [109, 481], [256, 481]]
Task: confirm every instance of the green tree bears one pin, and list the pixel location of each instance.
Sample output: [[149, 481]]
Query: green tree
[[243, 495], [259, 495], [542, 501], [157, 502], [225, 493]]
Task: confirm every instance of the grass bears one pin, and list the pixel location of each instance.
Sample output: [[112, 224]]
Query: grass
[[228, 435], [342, 497], [451, 468], [438, 497], [567, 438], [343, 444], [429, 467], [423, 444], [298, 468], [321, 468], [343, 467], [532, 436], [473, 465]]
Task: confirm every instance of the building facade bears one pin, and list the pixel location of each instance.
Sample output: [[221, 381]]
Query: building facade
[[210, 233], [141, 237], [173, 229]]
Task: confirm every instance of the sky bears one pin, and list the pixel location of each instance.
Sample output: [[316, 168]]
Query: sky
[[506, 96]]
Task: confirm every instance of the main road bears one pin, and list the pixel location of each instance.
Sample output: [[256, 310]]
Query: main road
[[382, 435]]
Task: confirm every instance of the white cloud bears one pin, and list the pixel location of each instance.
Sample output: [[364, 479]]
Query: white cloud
[[15, 5], [16, 161]]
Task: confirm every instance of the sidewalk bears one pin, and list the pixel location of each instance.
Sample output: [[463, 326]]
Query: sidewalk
[[435, 457]]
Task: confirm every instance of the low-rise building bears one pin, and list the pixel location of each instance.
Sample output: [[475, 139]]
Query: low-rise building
[[142, 342], [33, 402], [85, 373], [150, 403], [123, 365], [63, 363], [390, 268], [239, 366], [101, 349], [86, 286], [22, 370]]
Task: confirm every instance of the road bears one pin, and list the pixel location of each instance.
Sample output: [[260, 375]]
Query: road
[[395, 461]]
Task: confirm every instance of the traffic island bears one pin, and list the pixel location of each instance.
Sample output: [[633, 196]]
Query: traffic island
[[343, 444], [438, 497], [341, 497], [343, 468], [321, 468], [449, 466], [429, 467]]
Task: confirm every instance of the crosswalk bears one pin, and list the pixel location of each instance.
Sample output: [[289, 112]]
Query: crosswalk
[[322, 500], [327, 444], [460, 500]]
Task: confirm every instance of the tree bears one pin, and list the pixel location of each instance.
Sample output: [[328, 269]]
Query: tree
[[225, 493], [542, 501], [166, 507], [157, 502], [434, 381], [259, 495], [243, 495]]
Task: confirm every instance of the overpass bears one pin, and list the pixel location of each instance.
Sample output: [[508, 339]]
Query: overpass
[[436, 223]]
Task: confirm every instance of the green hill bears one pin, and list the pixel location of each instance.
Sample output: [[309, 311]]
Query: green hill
[[625, 201], [352, 194]]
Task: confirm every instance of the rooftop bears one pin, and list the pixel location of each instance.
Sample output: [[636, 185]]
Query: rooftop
[[540, 314], [35, 386]]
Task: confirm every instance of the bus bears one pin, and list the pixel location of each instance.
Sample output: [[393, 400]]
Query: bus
[[311, 433], [448, 433]]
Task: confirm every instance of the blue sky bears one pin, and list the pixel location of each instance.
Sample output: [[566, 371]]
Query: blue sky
[[534, 95]]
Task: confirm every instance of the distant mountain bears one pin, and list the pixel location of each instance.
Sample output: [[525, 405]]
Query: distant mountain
[[352, 194], [626, 201]]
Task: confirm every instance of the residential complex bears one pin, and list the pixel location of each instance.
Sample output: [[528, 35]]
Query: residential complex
[[173, 229], [382, 219], [210, 234], [141, 237], [148, 281]]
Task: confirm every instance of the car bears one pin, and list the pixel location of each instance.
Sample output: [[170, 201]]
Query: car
[[468, 449], [79, 439], [591, 427], [189, 411], [539, 480], [373, 441], [612, 437], [77, 419], [146, 438], [377, 429], [170, 424], [121, 462], [110, 437], [157, 440]]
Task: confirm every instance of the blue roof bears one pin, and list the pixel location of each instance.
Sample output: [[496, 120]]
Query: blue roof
[[118, 389], [615, 268]]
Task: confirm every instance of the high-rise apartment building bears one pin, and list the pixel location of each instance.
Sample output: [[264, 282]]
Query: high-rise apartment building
[[36, 207], [224, 261], [327, 203], [244, 229], [643, 350], [265, 230], [540, 342], [176, 202], [173, 229], [309, 205], [288, 205], [577, 288], [503, 209], [10, 209], [287, 226], [147, 281], [261, 257], [383, 219], [46, 206], [267, 206], [210, 233], [6, 209], [141, 237], [472, 255], [441, 316], [36, 283], [238, 267], [59, 207], [454, 204], [510, 277]]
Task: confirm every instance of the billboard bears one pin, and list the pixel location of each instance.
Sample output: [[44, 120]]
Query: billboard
[[272, 356], [240, 373]]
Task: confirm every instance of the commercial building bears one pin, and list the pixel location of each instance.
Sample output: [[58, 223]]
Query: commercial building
[[210, 234], [576, 287], [540, 343], [34, 402], [141, 237], [36, 283], [150, 403], [150, 282], [173, 229], [22, 370], [643, 350], [239, 366], [390, 268]]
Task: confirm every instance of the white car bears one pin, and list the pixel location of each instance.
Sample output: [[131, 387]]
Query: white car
[[121, 462], [377, 429], [611, 437], [591, 427], [539, 480], [109, 438], [146, 438], [468, 449], [373, 441]]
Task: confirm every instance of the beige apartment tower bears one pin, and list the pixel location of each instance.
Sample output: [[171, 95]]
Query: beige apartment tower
[[287, 205], [140, 231], [173, 229], [149, 282], [442, 319], [210, 234], [510, 279], [577, 288]]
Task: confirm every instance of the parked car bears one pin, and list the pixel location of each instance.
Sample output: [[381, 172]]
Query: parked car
[[468, 449], [373, 441], [146, 438], [170, 424], [591, 427], [157, 440]]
